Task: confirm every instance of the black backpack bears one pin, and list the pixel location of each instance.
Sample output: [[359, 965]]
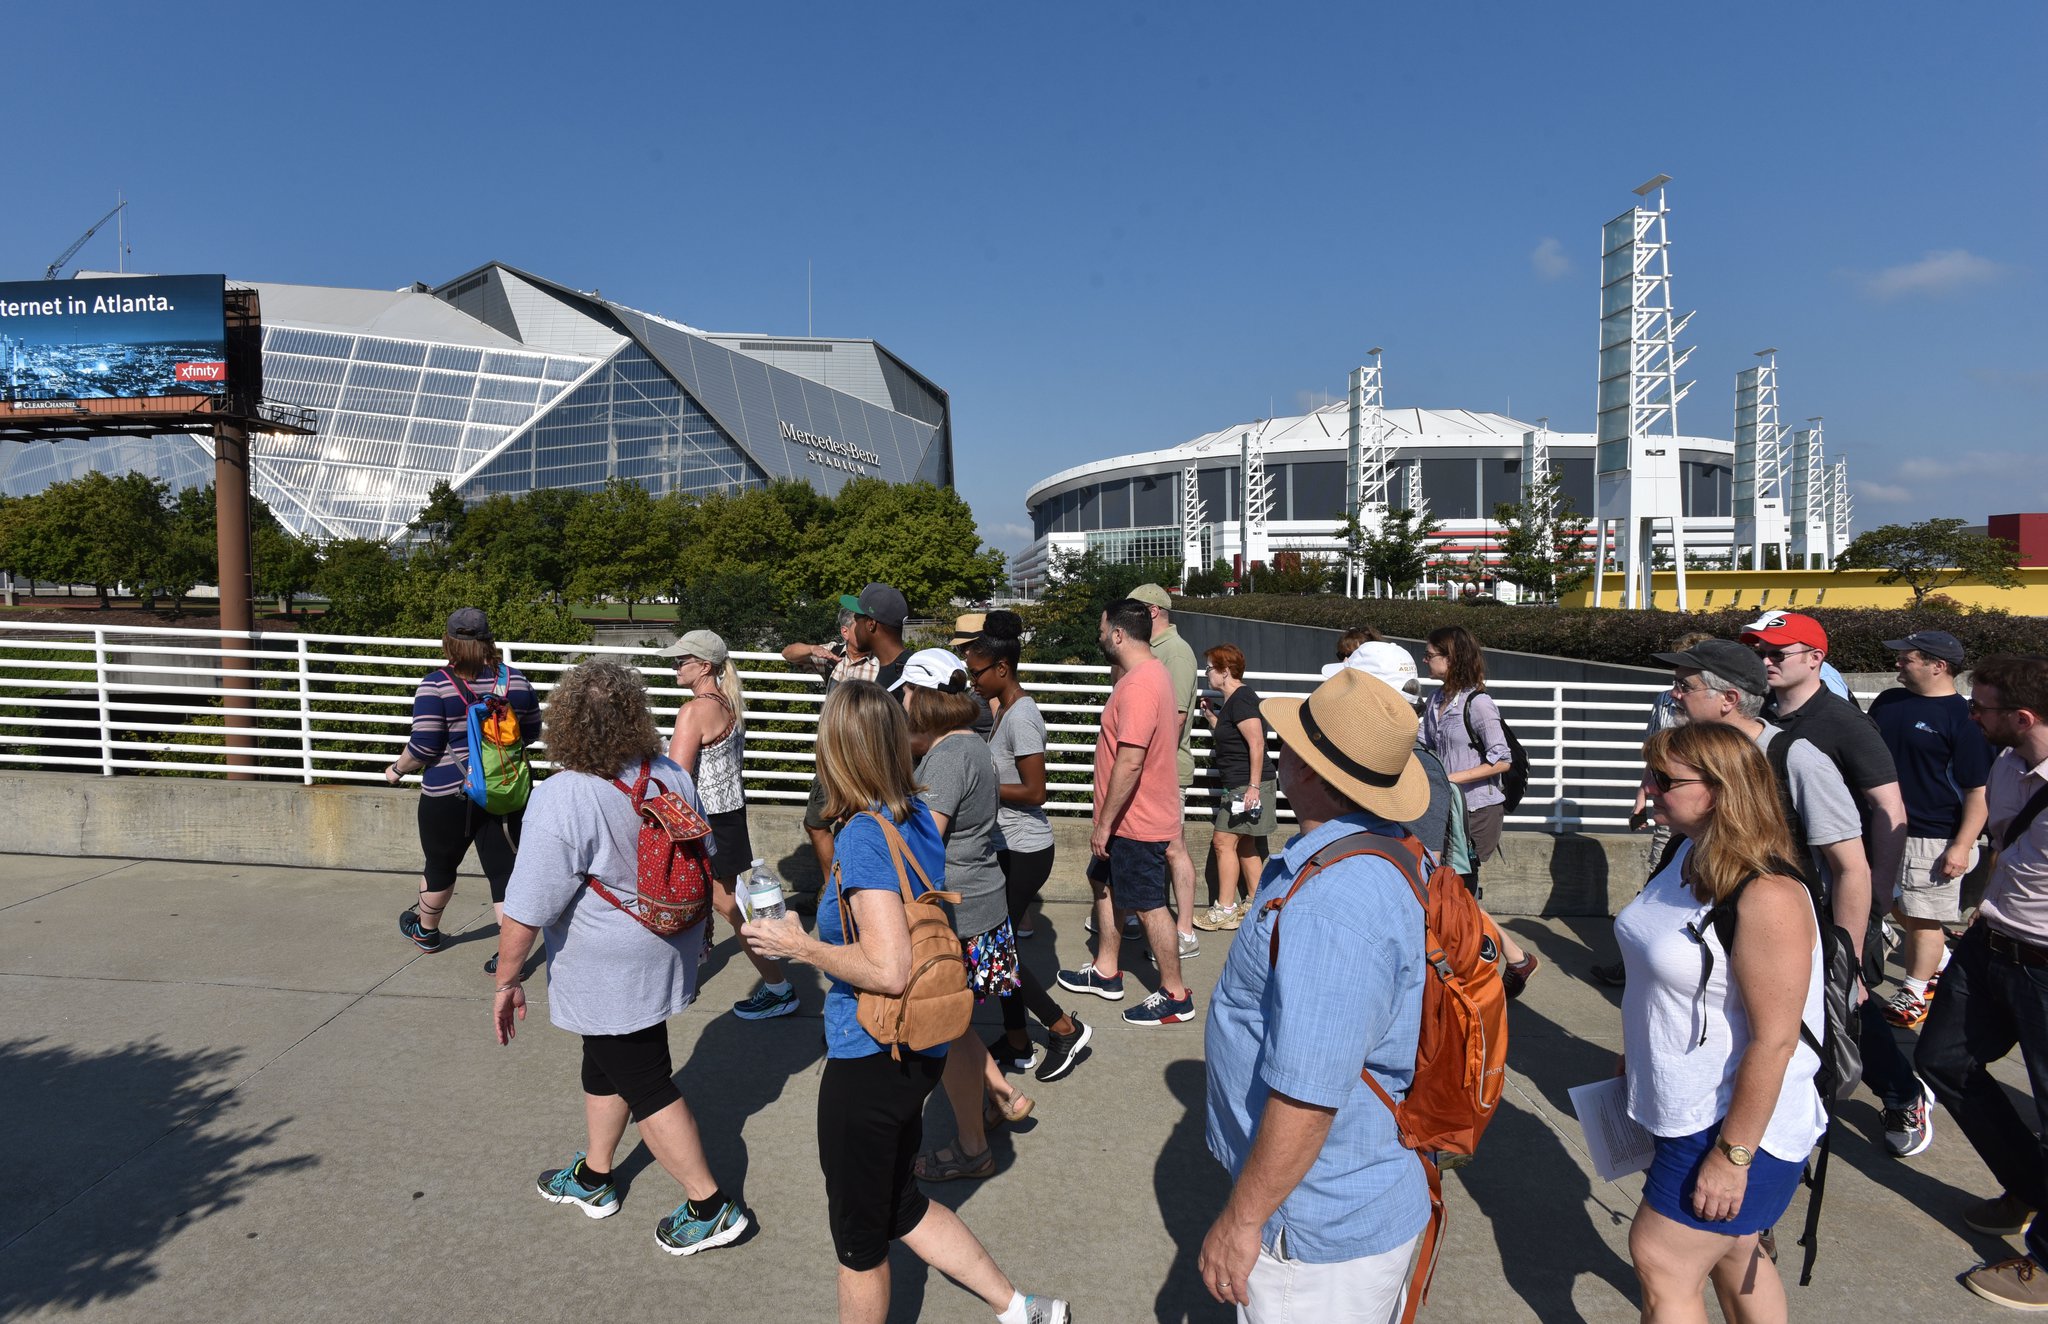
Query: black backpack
[[1514, 783]]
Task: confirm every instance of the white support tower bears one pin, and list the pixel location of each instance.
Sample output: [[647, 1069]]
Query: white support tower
[[1194, 522], [1253, 544], [1535, 457], [1806, 498], [1365, 469], [1841, 509], [1416, 501], [1637, 437], [1759, 465]]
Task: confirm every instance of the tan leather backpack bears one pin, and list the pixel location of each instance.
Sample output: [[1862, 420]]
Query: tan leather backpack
[[935, 1005]]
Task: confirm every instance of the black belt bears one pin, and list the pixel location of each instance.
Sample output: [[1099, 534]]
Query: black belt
[[2017, 950]]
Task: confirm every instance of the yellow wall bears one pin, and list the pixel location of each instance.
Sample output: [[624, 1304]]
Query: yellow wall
[[1792, 589]]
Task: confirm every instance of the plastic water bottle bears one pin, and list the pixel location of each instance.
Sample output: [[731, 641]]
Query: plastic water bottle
[[764, 892]]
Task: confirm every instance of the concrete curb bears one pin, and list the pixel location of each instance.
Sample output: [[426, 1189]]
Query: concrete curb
[[209, 820]]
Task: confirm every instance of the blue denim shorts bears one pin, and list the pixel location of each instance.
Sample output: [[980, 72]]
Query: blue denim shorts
[[1137, 873], [1668, 1185]]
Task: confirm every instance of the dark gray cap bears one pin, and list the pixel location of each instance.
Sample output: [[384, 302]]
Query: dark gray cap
[[884, 605], [1931, 643], [469, 623], [1731, 661]]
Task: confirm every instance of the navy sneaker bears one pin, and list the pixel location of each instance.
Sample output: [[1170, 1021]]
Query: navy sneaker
[[763, 1005], [1089, 980], [680, 1234], [565, 1186], [427, 940], [1161, 1010]]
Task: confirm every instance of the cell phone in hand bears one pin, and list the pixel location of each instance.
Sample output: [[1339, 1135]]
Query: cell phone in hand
[[1638, 820]]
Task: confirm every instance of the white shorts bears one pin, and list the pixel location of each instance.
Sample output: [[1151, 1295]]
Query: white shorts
[[1923, 892], [1369, 1290]]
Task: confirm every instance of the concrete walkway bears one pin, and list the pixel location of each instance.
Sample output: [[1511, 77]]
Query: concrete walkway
[[235, 1093]]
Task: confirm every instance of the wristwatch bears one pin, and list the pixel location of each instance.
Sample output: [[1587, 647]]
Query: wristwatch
[[1739, 1155]]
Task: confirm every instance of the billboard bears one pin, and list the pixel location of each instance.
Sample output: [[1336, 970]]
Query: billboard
[[122, 338]]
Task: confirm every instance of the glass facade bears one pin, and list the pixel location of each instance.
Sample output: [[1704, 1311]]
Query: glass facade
[[1131, 546]]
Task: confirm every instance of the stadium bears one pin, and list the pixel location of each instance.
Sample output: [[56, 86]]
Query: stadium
[[1462, 464], [500, 381]]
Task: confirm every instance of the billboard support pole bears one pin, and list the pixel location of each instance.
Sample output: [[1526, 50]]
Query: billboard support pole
[[237, 586]]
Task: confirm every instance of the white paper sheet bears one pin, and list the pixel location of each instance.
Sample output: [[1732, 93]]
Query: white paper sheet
[[1617, 1142]]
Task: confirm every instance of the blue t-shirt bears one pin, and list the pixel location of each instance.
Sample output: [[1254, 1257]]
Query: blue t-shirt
[[1346, 993], [1940, 754], [860, 854]]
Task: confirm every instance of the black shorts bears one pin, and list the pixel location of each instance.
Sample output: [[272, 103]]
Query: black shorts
[[734, 848], [870, 1125], [632, 1066], [1137, 873], [449, 824]]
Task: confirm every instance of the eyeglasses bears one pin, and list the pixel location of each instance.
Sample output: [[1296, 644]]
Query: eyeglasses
[[1681, 687], [1780, 654], [976, 673], [1664, 781], [1976, 707]]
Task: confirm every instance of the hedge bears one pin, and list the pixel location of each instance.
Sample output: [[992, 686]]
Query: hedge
[[1856, 635]]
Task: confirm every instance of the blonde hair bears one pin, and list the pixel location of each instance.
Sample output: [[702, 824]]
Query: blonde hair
[[864, 752], [1746, 835], [597, 719], [727, 679]]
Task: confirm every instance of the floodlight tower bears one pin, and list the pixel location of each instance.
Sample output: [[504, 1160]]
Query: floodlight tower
[[1806, 506], [1840, 511], [1637, 403], [1759, 462], [1365, 468], [1251, 540], [1194, 519]]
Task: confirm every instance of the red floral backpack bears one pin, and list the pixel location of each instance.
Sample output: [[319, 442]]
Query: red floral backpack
[[674, 886]]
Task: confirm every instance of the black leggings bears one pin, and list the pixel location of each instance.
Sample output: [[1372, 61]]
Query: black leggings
[[1024, 875], [449, 824], [633, 1066]]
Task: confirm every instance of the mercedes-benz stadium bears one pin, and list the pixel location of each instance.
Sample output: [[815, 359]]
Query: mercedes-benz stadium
[[1131, 507], [502, 381]]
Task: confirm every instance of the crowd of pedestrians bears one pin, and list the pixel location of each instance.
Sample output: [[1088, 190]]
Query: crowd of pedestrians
[[1782, 812]]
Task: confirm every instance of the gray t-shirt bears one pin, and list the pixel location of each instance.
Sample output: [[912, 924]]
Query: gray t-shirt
[[1826, 809], [1021, 733], [959, 779], [607, 974]]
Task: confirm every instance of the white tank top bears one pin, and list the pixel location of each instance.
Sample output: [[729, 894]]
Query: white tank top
[[718, 769], [1683, 1042]]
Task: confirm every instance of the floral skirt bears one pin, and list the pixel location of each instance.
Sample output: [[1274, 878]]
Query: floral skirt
[[991, 962]]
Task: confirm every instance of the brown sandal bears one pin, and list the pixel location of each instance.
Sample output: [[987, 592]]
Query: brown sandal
[[995, 1115], [947, 1163]]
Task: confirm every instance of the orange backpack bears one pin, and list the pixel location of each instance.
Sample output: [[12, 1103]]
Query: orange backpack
[[1461, 1052], [935, 1005]]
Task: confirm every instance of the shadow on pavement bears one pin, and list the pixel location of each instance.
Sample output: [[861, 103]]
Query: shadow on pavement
[[1523, 1164], [169, 1102], [1190, 1187]]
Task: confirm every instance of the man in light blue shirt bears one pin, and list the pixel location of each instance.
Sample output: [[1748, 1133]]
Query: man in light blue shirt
[[1326, 1205]]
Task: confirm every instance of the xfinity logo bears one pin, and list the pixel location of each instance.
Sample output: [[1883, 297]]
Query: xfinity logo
[[829, 451]]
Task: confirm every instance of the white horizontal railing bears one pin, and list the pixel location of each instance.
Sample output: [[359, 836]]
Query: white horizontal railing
[[338, 708]]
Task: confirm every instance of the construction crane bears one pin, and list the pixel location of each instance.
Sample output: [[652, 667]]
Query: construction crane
[[50, 272]]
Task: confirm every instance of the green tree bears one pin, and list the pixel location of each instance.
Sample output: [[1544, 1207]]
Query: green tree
[[919, 537], [614, 545], [1930, 556], [439, 524], [1398, 553], [1065, 621], [529, 532], [423, 595], [1542, 548], [359, 577], [285, 564], [741, 606], [100, 529], [188, 554], [1211, 582]]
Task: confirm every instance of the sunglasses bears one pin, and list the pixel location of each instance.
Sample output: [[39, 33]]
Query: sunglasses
[[1664, 781], [1780, 654], [1976, 707]]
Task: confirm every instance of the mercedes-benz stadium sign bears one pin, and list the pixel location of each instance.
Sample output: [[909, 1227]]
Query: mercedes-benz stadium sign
[[832, 452], [119, 338]]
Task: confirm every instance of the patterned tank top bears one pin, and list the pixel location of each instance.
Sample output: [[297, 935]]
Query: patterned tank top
[[718, 767]]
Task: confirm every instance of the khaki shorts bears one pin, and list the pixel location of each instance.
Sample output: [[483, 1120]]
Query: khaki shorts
[[1261, 824], [1923, 892]]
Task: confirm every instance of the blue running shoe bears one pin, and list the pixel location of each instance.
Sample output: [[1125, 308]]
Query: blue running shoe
[[763, 1005], [427, 940], [1090, 980], [562, 1186], [680, 1234], [1159, 1010]]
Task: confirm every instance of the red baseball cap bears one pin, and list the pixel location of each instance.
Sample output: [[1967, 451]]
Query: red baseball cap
[[1783, 628]]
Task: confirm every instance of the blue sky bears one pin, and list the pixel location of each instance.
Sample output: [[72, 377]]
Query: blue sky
[[1107, 228]]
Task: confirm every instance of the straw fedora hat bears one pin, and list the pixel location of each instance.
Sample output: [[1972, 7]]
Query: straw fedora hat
[[1359, 734]]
